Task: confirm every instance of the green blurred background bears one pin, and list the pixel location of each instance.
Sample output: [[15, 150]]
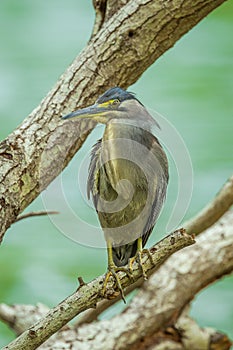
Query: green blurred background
[[191, 85]]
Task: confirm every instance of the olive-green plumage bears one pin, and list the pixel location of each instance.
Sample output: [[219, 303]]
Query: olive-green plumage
[[128, 172]]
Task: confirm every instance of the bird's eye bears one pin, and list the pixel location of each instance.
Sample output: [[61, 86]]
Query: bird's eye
[[115, 102]]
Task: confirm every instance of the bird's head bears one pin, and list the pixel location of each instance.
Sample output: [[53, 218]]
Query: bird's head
[[116, 104]]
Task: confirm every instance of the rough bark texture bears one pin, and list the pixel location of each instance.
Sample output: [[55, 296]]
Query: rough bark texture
[[123, 46], [128, 36], [87, 295], [185, 334], [203, 220], [155, 318]]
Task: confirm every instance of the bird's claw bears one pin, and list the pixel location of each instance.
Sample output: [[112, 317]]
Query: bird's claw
[[138, 257], [112, 271], [148, 253]]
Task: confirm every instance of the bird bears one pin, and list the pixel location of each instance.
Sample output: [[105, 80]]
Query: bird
[[128, 176]]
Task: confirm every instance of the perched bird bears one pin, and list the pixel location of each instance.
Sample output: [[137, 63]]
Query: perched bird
[[128, 175]]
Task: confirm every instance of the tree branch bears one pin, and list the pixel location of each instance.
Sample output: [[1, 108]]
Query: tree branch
[[35, 153], [173, 286], [185, 334], [88, 295], [126, 45], [100, 11], [203, 220], [213, 211], [36, 213], [159, 304]]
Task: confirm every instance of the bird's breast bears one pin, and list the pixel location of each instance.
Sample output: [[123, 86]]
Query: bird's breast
[[125, 171]]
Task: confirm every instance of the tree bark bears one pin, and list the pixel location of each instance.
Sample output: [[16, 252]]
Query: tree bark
[[126, 42], [184, 335], [155, 318], [128, 36], [87, 295]]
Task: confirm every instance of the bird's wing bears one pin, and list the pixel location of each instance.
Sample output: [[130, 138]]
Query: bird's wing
[[160, 180], [93, 173], [160, 196]]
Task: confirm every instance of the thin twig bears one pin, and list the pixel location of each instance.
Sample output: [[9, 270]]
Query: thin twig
[[35, 213]]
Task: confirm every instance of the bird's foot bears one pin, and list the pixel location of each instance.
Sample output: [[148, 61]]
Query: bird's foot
[[148, 253], [130, 263], [112, 271], [138, 257]]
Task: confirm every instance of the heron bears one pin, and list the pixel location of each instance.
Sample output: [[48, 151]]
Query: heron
[[127, 178]]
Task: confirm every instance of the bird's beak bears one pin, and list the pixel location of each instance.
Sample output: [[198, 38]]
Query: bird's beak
[[97, 112]]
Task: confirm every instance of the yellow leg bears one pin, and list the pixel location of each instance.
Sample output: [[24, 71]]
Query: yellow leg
[[110, 258], [138, 256], [139, 244], [112, 271]]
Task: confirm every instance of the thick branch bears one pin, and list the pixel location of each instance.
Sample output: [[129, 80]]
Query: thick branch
[[213, 211], [21, 317], [100, 12], [128, 43], [160, 302], [184, 335], [203, 220], [163, 297], [88, 295]]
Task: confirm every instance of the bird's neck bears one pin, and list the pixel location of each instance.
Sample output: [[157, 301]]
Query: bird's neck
[[115, 130]]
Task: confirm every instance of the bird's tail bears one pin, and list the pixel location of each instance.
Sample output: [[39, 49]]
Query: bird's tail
[[122, 254]]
